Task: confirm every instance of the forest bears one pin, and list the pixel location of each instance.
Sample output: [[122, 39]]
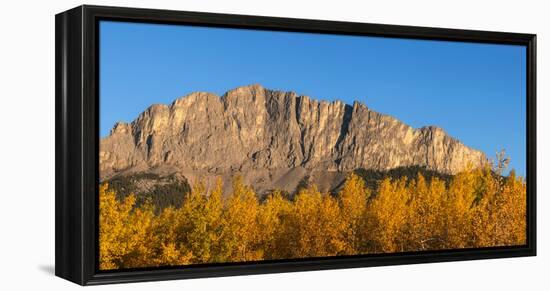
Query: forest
[[472, 209]]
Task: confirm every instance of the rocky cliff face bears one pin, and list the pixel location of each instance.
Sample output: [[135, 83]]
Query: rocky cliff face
[[274, 138]]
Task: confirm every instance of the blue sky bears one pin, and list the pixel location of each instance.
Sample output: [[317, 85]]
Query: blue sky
[[476, 92]]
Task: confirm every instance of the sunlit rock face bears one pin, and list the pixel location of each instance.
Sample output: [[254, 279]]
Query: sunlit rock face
[[274, 138]]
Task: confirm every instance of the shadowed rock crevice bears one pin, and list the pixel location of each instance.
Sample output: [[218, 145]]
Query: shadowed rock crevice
[[346, 119]]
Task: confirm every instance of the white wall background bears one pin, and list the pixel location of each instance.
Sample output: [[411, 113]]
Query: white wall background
[[27, 145]]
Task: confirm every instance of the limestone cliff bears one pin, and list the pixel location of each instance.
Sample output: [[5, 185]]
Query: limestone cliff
[[274, 138]]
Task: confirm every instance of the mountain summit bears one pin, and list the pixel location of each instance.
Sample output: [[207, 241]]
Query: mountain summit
[[274, 139]]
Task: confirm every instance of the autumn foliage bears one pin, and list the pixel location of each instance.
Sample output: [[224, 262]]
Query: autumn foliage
[[477, 208]]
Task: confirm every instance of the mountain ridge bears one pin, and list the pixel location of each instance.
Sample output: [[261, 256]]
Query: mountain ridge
[[266, 135]]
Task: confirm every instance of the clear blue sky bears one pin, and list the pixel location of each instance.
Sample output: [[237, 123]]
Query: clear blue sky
[[476, 92]]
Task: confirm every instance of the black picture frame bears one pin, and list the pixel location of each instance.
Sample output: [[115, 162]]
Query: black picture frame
[[77, 143]]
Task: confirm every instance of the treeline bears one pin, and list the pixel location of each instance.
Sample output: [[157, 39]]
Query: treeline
[[476, 208], [163, 192], [170, 191], [372, 177]]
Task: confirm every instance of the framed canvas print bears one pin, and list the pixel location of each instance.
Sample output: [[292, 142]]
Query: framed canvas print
[[197, 144]]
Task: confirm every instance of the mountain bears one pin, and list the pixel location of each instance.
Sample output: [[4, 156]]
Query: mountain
[[274, 139]]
